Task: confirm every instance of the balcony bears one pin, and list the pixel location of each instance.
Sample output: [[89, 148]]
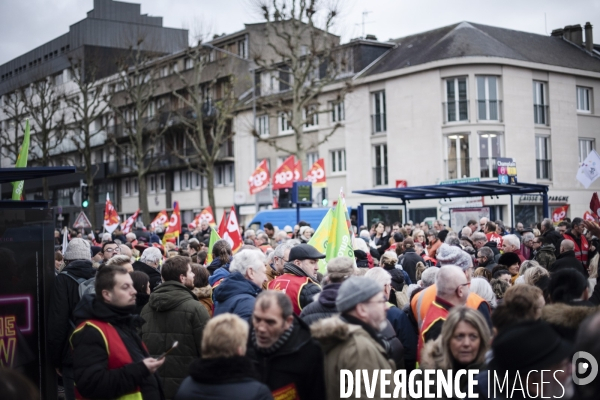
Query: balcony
[[487, 167], [489, 110], [543, 169], [456, 111], [378, 123], [458, 168], [380, 176], [541, 114]]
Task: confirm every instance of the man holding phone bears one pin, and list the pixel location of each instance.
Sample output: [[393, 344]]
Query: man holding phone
[[109, 359]]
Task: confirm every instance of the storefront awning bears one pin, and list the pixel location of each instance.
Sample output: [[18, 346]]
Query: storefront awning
[[22, 174]]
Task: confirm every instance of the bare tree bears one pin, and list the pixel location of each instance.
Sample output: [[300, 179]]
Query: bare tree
[[13, 108], [88, 108], [302, 58], [208, 113], [43, 104], [135, 108]]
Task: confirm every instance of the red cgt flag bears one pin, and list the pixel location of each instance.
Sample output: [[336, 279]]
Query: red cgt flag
[[222, 225], [206, 215], [588, 216], [161, 219], [559, 214], [174, 228], [259, 180], [298, 171], [284, 175], [232, 232], [130, 221], [316, 175]]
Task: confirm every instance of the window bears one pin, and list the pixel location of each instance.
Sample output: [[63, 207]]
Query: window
[[540, 107], [135, 185], [311, 158], [196, 180], [151, 109], [58, 79], [262, 125], [337, 111], [487, 98], [186, 180], [242, 46], [585, 147], [285, 126], [125, 154], [164, 71], [229, 174], [126, 187], [311, 117], [151, 183], [338, 161], [189, 63], [162, 186], [490, 148], [583, 99], [457, 104], [378, 119], [175, 67], [457, 163], [219, 175], [380, 171], [543, 159]]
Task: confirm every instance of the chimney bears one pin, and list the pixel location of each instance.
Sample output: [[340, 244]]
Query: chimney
[[575, 34], [589, 37], [557, 32]]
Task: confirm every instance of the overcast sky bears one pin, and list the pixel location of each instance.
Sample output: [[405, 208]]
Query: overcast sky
[[26, 24]]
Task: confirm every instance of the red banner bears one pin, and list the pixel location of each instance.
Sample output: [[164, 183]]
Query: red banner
[[130, 221], [316, 175], [588, 216], [284, 176], [232, 233], [559, 214], [259, 180], [174, 228], [111, 217], [205, 215], [298, 171], [595, 204], [222, 225], [161, 219]]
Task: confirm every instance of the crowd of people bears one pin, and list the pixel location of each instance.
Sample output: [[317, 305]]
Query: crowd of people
[[130, 318]]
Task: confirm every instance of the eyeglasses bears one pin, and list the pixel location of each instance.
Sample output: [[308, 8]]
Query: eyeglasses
[[115, 250], [382, 301], [464, 284]]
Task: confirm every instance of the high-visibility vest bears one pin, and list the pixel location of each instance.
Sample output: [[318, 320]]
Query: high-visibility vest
[[118, 355], [292, 286], [435, 313], [421, 302], [581, 253]]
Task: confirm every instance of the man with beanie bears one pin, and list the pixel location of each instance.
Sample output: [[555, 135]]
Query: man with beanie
[[65, 296], [449, 255], [299, 278], [109, 359], [288, 360], [353, 340], [338, 270]]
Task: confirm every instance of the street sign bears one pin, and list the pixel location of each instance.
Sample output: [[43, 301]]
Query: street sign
[[454, 181], [400, 183], [507, 171], [82, 221]]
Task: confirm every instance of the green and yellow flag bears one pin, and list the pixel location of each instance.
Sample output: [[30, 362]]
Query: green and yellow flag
[[320, 238], [214, 236], [17, 193], [340, 240]]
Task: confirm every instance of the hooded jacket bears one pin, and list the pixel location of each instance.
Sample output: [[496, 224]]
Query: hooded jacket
[[223, 379], [204, 295], [215, 265], [90, 359], [65, 296], [294, 368], [153, 273], [174, 314], [323, 307], [348, 346], [219, 273], [555, 238], [494, 247], [567, 260], [545, 255], [236, 295], [409, 261], [565, 319]]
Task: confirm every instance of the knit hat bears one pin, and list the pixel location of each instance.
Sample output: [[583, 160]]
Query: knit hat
[[78, 249], [356, 290], [452, 255], [340, 267], [509, 259]]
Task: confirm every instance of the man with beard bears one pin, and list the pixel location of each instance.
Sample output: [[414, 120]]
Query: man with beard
[[174, 313], [109, 359]]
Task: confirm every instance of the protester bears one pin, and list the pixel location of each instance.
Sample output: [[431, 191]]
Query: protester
[[299, 280], [491, 234], [483, 272], [219, 267], [282, 254], [149, 263], [174, 314], [567, 259], [121, 260], [288, 360], [352, 340], [580, 243], [141, 284], [499, 286], [482, 287], [485, 258], [512, 244], [202, 289], [428, 277], [223, 372], [65, 296], [513, 264], [552, 235], [237, 293], [109, 359], [109, 249]]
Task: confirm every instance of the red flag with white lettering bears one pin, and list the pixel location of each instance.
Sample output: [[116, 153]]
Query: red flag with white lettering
[[298, 171], [588, 216], [259, 180], [284, 175], [559, 214], [316, 175], [130, 221], [232, 233]]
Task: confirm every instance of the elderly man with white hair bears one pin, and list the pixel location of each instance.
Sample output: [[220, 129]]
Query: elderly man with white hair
[[131, 238], [237, 293], [512, 244], [148, 264]]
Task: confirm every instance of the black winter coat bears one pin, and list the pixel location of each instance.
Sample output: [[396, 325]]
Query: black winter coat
[[153, 274], [223, 379], [567, 260], [555, 238], [90, 359], [409, 261], [297, 364], [65, 296], [323, 307], [309, 290]]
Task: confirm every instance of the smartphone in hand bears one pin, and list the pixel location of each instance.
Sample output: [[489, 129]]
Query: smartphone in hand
[[163, 355]]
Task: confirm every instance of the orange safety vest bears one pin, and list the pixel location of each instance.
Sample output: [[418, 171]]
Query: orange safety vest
[[421, 302], [435, 313], [581, 253], [118, 355], [292, 286]]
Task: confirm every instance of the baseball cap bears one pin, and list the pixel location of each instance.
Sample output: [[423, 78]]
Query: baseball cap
[[305, 252]]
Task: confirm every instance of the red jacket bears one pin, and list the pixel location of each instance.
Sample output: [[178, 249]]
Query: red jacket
[[581, 252]]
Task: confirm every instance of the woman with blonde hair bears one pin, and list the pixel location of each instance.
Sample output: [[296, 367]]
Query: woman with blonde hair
[[418, 236], [462, 344]]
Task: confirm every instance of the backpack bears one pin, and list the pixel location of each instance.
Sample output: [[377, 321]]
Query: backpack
[[402, 297], [86, 286]]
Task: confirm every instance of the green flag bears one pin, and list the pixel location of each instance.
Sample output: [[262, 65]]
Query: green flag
[[340, 241], [320, 237], [21, 163], [214, 236]]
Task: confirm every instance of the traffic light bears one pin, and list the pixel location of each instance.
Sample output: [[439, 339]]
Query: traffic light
[[85, 197], [324, 200]]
